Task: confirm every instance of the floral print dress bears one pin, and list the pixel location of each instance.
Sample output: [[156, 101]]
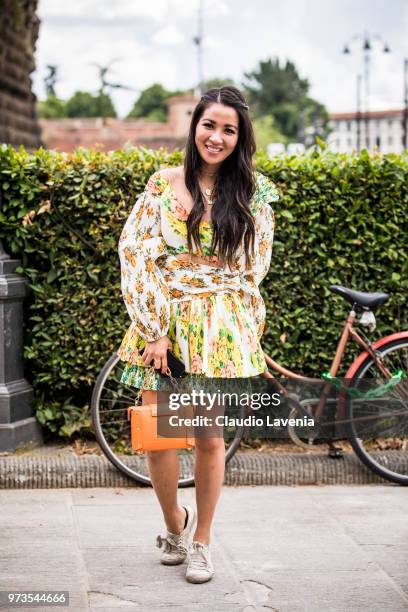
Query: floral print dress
[[213, 316]]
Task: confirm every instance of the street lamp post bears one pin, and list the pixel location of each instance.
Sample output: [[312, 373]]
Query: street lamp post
[[358, 113], [198, 41], [367, 47]]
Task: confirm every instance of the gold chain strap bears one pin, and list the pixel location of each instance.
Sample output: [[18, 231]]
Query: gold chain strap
[[176, 383]]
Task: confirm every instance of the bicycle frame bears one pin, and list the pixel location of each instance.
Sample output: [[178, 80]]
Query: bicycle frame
[[348, 331]]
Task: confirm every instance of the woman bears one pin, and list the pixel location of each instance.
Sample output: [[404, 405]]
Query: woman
[[193, 251]]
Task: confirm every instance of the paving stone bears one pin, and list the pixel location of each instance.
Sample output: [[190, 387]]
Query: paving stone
[[312, 549], [331, 591], [100, 496]]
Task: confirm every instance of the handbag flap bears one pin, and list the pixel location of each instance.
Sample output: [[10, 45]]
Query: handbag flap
[[164, 410]]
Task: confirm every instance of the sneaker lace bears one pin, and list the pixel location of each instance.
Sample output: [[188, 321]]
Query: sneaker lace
[[171, 541], [198, 557]]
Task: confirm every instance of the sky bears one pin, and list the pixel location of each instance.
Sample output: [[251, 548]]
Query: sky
[[152, 41]]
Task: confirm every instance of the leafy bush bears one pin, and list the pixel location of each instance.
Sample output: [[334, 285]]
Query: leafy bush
[[341, 220]]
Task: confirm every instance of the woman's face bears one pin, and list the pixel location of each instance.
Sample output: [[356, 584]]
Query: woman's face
[[217, 133]]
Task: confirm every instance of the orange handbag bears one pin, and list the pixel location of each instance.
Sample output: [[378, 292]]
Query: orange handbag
[[145, 423]]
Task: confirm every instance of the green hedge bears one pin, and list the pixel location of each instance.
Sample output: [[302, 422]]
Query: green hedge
[[341, 220]]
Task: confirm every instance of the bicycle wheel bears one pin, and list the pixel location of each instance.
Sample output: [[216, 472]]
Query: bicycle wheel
[[378, 428], [304, 437], [110, 401]]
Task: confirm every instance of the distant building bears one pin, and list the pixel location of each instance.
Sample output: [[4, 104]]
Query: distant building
[[385, 131], [19, 27], [278, 148], [111, 134]]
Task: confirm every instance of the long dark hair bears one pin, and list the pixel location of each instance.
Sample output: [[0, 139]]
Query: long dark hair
[[234, 185]]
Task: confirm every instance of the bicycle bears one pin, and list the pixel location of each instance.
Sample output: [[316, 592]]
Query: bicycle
[[385, 452]]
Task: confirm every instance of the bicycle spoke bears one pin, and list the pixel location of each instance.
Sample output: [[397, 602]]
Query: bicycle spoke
[[117, 401], [122, 395], [379, 428]]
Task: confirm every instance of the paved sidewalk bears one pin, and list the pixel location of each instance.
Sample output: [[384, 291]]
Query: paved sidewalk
[[288, 549]]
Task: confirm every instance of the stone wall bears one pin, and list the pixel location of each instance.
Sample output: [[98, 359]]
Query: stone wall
[[19, 26], [107, 134], [110, 134]]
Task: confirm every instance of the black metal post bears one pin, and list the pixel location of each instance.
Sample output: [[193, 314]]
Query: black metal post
[[358, 113], [18, 425], [367, 50]]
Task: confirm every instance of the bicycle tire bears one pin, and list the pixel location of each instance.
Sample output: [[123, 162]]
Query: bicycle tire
[[115, 458], [394, 352]]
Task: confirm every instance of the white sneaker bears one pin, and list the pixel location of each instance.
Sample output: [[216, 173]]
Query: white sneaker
[[200, 568], [175, 544]]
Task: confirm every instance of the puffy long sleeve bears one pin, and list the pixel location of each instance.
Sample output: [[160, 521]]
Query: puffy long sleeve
[[144, 289], [259, 264]]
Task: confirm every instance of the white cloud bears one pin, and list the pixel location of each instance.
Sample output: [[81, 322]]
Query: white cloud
[[106, 10], [216, 8], [168, 36], [154, 41], [212, 42]]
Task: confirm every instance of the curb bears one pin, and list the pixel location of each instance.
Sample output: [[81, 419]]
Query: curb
[[245, 468]]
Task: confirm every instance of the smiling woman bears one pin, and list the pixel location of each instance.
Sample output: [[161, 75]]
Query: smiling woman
[[193, 252]]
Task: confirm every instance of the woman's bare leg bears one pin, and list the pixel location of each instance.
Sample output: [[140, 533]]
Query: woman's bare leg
[[164, 474], [209, 476]]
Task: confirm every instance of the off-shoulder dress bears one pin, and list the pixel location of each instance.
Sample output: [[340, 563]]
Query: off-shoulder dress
[[213, 316]]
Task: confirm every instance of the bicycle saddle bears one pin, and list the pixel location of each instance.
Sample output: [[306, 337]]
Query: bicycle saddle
[[371, 301]]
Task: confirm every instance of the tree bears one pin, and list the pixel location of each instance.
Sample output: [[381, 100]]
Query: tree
[[104, 84], [266, 132], [316, 121], [85, 104], [52, 108], [214, 83], [50, 80], [278, 90], [151, 104]]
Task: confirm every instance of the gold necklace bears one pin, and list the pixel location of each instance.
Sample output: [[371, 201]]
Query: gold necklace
[[208, 200], [207, 192]]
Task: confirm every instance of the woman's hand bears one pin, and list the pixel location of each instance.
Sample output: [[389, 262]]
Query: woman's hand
[[157, 352]]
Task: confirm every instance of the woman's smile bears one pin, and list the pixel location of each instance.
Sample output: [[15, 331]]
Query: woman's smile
[[213, 149]]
